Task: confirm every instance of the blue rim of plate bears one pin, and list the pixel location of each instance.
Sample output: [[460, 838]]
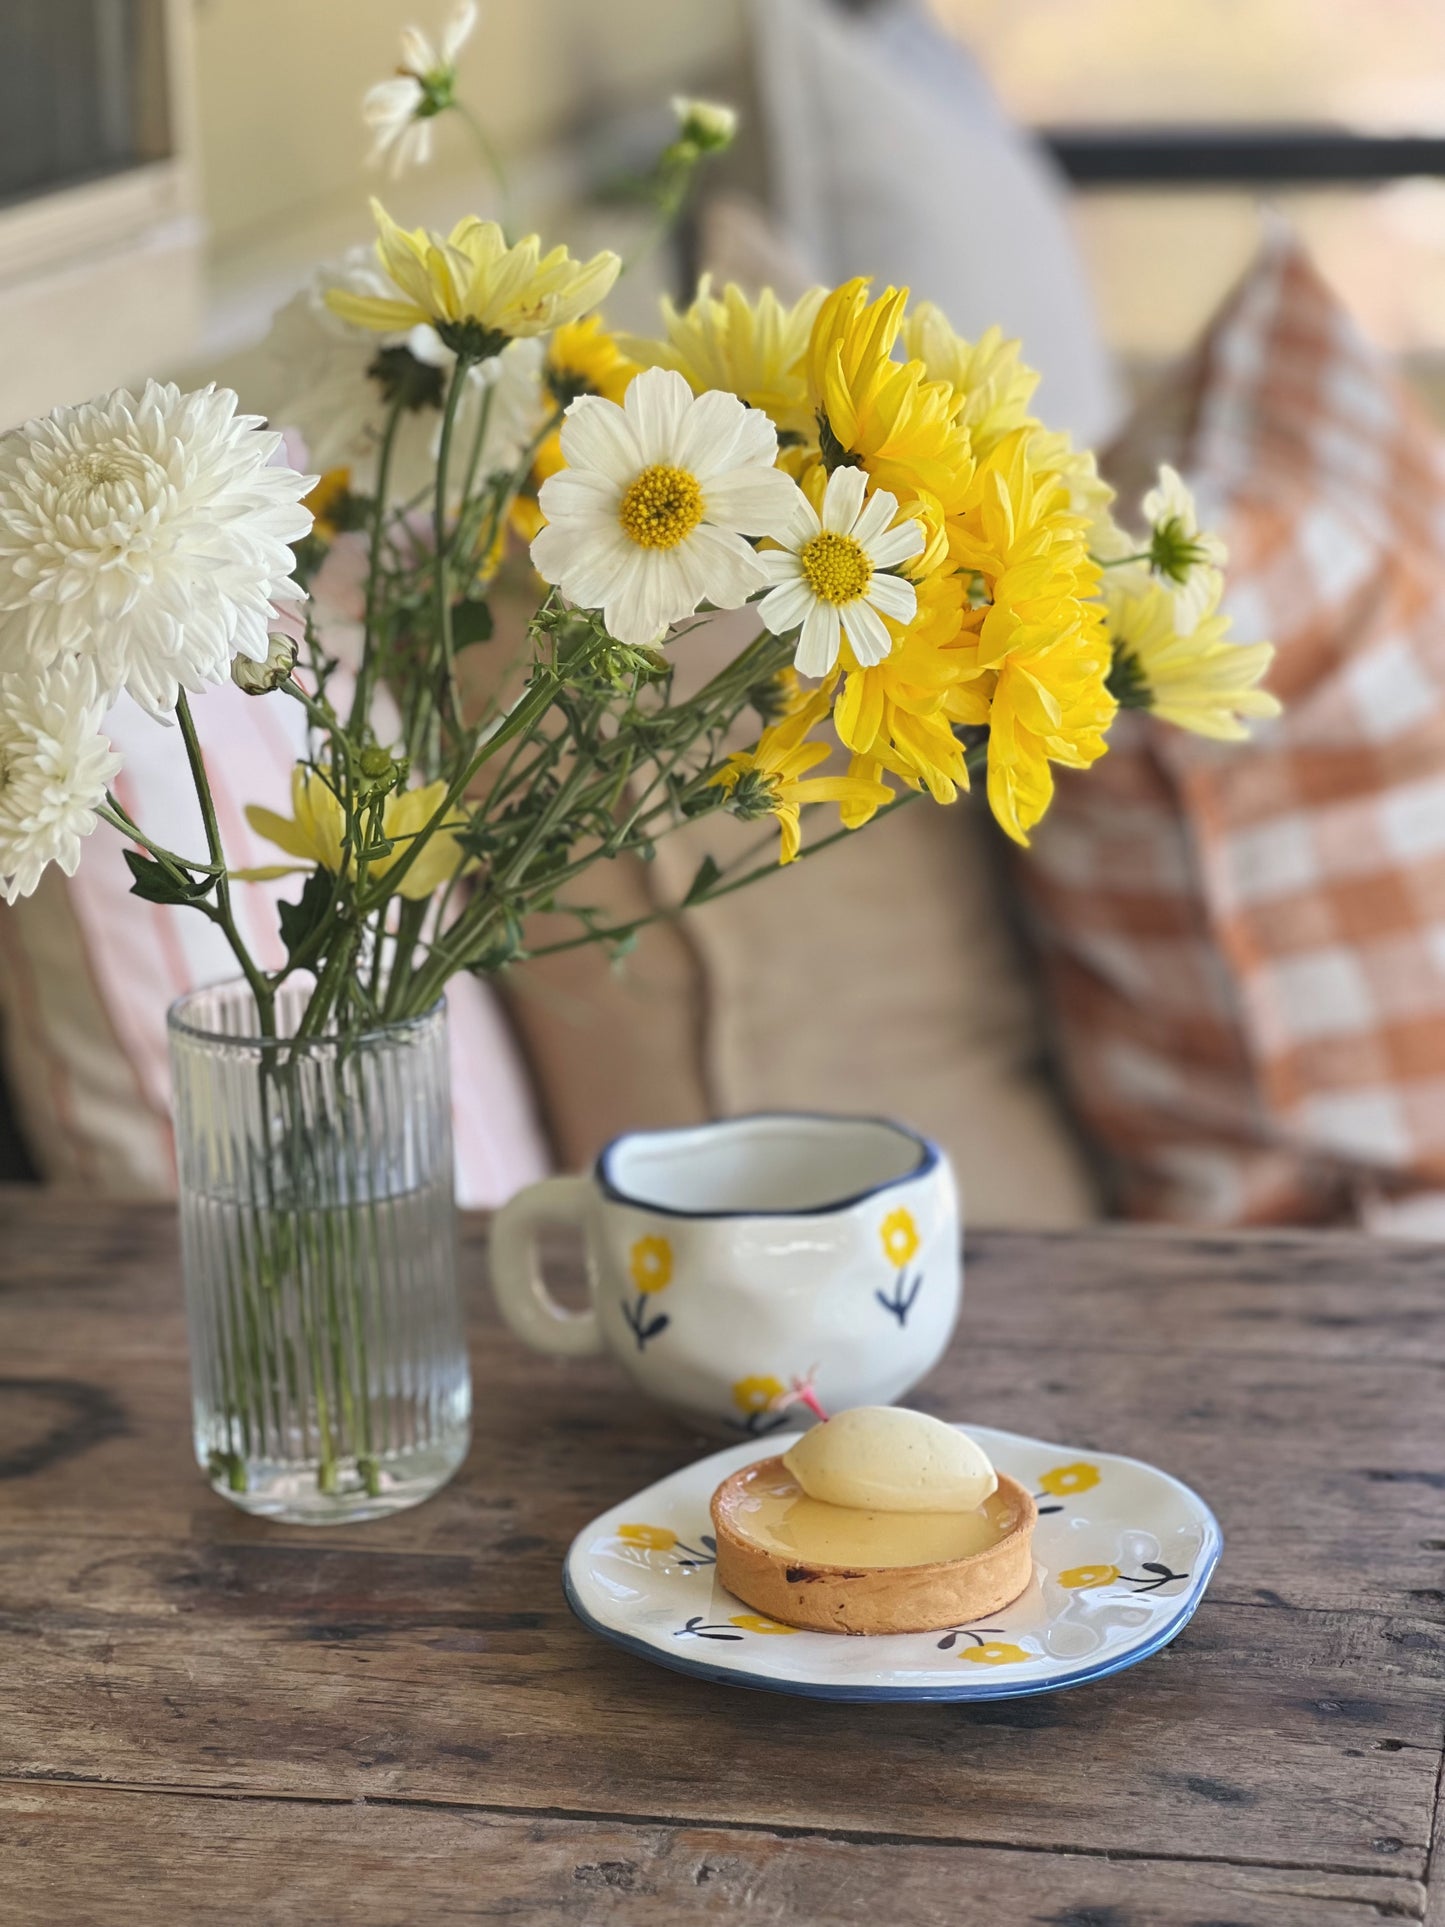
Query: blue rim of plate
[[933, 1695]]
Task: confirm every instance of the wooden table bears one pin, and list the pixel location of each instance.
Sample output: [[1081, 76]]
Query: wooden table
[[205, 1718]]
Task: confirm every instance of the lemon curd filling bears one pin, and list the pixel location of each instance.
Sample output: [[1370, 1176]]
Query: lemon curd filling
[[778, 1515], [661, 508]]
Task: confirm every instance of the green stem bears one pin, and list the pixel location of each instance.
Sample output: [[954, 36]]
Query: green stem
[[439, 528], [366, 676], [261, 989]]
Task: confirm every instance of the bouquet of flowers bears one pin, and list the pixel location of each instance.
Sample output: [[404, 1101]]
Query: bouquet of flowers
[[942, 592]]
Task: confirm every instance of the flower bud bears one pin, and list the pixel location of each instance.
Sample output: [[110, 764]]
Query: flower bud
[[707, 125], [260, 678]]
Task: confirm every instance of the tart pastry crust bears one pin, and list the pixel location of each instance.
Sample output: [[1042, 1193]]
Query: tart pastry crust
[[868, 1599]]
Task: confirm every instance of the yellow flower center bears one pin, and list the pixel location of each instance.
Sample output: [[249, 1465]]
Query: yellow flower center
[[661, 508], [836, 567]]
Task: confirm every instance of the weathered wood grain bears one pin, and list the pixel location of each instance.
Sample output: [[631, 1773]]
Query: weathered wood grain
[[84, 1853], [153, 1638]]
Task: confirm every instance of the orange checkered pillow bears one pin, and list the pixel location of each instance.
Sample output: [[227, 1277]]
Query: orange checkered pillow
[[1247, 942]]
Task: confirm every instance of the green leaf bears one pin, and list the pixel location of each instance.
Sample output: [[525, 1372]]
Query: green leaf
[[300, 920], [471, 622], [707, 875], [154, 883]]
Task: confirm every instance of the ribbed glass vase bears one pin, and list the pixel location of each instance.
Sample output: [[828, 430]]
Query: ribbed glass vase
[[328, 1363]]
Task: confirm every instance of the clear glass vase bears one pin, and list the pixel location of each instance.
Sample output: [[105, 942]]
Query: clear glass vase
[[328, 1362]]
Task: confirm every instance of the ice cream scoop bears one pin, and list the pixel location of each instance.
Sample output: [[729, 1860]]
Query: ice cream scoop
[[884, 1458]]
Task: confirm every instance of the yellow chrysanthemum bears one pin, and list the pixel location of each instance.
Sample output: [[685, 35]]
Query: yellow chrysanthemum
[[1200, 682], [1039, 653], [757, 1393], [900, 1237], [880, 414], [477, 292], [1077, 1578], [754, 349], [1063, 1481], [315, 834], [653, 1538], [992, 382], [650, 1262], [773, 780], [583, 358], [901, 711]]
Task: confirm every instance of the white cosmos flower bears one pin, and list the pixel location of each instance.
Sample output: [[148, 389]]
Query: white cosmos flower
[[400, 111], [150, 534], [55, 766], [648, 518], [1188, 559], [831, 575]]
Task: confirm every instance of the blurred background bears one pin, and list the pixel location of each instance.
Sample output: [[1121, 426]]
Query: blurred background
[[219, 141], [1215, 991]]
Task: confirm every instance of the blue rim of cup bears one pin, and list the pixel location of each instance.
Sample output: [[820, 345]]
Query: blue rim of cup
[[929, 1158]]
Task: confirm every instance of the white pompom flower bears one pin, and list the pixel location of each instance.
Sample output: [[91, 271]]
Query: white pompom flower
[[55, 767], [649, 517], [832, 577], [150, 534]]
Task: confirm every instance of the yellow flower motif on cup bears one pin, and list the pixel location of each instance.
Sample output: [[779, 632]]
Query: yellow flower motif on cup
[[1078, 1577], [757, 1394], [900, 1237], [650, 1262], [995, 1652], [755, 1623], [1066, 1480], [654, 1538]]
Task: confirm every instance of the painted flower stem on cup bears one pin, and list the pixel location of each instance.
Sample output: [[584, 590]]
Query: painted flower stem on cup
[[650, 1262], [899, 1235]]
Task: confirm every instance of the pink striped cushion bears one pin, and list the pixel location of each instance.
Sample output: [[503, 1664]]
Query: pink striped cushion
[[87, 971]]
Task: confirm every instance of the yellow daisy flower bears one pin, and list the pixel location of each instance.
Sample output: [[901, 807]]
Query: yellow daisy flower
[[750, 348], [879, 414], [773, 780], [900, 1237], [315, 834], [475, 290], [654, 1538], [1201, 682], [650, 1262], [995, 1652], [1078, 1577], [901, 711], [1064, 1481], [756, 1623], [756, 1394]]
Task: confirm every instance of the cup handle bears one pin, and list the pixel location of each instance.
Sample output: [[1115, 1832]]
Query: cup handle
[[518, 1285]]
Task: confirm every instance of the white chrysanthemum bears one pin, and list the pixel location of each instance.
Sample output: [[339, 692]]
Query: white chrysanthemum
[[150, 534], [831, 574], [1187, 558], [648, 518], [400, 111], [55, 766]]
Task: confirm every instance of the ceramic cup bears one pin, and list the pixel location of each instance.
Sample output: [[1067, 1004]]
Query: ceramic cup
[[725, 1260]]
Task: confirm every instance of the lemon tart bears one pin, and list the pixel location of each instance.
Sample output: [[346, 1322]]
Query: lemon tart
[[878, 1521]]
